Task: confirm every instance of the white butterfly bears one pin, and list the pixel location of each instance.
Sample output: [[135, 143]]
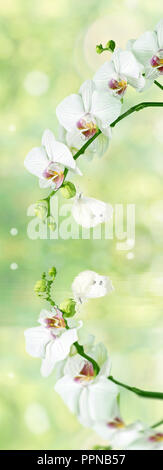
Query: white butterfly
[[90, 212], [89, 284]]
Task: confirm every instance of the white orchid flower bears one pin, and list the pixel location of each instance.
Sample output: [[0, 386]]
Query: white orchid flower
[[90, 212], [51, 341], [89, 284], [84, 113], [117, 433], [49, 161], [91, 397], [149, 440], [122, 70], [148, 49], [75, 140]]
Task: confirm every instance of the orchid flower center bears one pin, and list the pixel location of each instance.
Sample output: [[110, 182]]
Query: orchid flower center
[[86, 374], [156, 437], [55, 322], [54, 173], [87, 125], [117, 424], [119, 87], [157, 61]]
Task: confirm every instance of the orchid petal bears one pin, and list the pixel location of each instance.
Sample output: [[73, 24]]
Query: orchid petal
[[100, 354], [138, 83], [105, 431], [86, 91], [57, 350], [159, 30], [103, 400], [45, 183], [129, 65], [105, 107], [69, 390], [45, 314], [69, 111], [48, 141], [36, 161], [57, 151], [64, 156], [116, 60], [84, 412], [105, 73], [97, 401], [75, 138], [145, 46], [145, 443], [125, 436], [74, 365], [36, 340], [101, 144]]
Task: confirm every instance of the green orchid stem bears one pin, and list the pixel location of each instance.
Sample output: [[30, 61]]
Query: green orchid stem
[[96, 368], [158, 84], [138, 391], [137, 107], [157, 424], [80, 351]]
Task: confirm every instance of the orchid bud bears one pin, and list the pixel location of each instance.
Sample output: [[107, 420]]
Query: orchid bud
[[51, 223], [110, 45], [101, 448], [52, 272], [68, 190], [68, 307], [41, 209], [40, 286], [99, 48]]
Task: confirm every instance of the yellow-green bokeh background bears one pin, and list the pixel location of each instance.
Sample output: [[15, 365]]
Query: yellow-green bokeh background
[[58, 38]]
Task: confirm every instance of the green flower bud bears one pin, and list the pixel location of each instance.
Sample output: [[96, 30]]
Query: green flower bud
[[68, 190], [41, 209], [101, 448], [40, 286], [110, 45], [52, 272], [99, 48], [68, 307], [51, 223]]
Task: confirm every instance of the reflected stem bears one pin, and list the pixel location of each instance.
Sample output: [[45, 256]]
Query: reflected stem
[[138, 391]]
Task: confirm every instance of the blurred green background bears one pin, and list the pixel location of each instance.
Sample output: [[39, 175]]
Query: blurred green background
[[47, 48]]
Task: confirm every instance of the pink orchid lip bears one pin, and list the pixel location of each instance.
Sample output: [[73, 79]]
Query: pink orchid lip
[[156, 437], [54, 174], [157, 62], [113, 84], [56, 321], [87, 125], [119, 87], [117, 423], [86, 374]]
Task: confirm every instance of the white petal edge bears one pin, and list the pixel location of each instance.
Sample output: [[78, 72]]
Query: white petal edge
[[69, 111], [36, 161], [69, 390], [57, 350], [105, 107], [86, 91], [36, 340]]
